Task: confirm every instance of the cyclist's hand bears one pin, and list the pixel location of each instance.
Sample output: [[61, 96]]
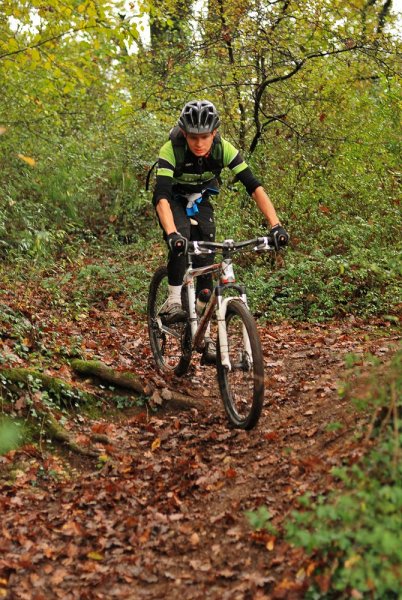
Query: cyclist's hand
[[177, 243], [280, 236]]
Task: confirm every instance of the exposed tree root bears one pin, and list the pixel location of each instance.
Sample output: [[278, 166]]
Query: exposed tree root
[[131, 381], [67, 395], [96, 368], [58, 433], [60, 391]]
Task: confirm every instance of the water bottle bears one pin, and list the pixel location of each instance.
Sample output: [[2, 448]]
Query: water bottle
[[202, 300]]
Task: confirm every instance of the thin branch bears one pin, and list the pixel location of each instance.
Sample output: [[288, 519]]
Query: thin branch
[[383, 15], [43, 42], [298, 65], [228, 42]]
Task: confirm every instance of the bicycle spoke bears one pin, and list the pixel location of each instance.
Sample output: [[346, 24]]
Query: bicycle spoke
[[167, 341], [242, 386]]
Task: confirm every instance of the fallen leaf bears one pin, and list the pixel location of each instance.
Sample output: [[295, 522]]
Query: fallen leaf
[[270, 544], [195, 539], [156, 399], [166, 394], [271, 436], [27, 159], [95, 556], [311, 432], [200, 566], [72, 528], [58, 576], [155, 444]]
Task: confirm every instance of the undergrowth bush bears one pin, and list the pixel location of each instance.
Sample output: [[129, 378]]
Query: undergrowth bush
[[354, 535], [318, 287]]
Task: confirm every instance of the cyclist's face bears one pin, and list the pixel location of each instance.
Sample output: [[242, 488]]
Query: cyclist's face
[[200, 143]]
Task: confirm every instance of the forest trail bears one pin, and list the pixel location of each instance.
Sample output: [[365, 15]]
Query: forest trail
[[161, 515]]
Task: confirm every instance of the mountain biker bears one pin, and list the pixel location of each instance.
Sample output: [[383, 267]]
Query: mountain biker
[[187, 176]]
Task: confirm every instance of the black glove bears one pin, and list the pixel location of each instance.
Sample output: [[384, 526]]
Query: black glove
[[279, 236], [177, 243]]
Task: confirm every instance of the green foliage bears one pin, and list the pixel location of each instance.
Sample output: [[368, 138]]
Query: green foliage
[[11, 435], [315, 107], [354, 534], [320, 285], [259, 518]]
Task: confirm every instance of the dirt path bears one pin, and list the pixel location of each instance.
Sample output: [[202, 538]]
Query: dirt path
[[163, 516]]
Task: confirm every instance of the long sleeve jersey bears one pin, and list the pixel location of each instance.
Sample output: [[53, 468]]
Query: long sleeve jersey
[[196, 174]]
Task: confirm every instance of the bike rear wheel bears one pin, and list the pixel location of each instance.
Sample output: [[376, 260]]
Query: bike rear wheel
[[242, 387], [170, 344]]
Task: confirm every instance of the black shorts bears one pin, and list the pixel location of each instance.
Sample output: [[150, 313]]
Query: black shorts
[[205, 228]]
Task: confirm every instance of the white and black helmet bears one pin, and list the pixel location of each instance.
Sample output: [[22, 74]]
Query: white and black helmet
[[199, 116]]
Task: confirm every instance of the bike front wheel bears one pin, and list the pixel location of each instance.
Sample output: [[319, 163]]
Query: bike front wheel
[[241, 385], [170, 344]]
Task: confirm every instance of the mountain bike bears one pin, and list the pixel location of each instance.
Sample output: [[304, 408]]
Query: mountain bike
[[239, 360]]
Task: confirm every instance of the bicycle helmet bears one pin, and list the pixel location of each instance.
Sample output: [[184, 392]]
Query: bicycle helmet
[[199, 116]]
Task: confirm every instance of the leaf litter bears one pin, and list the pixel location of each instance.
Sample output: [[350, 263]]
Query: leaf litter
[[162, 514]]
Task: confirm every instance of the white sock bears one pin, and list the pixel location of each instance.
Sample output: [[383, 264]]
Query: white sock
[[174, 294]]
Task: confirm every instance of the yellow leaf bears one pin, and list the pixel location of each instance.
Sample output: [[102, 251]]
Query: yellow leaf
[[95, 556], [3, 593], [30, 161], [270, 544], [91, 10], [352, 561], [155, 444], [35, 54], [68, 88], [12, 44], [2, 129], [103, 458]]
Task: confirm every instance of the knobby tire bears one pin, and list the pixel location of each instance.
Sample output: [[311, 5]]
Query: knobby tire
[[171, 347], [242, 388]]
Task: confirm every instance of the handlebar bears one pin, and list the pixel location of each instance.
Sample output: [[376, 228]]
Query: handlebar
[[230, 246]]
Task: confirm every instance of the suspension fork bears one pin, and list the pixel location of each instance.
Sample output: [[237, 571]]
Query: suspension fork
[[221, 310]]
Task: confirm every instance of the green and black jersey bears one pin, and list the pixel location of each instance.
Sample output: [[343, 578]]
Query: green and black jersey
[[195, 174]]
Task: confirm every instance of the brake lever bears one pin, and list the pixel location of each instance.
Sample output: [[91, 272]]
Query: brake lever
[[198, 250], [263, 245]]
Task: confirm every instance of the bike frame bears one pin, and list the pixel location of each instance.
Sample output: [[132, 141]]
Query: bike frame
[[218, 303]]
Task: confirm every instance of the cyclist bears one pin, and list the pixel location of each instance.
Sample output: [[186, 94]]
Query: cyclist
[[187, 176]]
